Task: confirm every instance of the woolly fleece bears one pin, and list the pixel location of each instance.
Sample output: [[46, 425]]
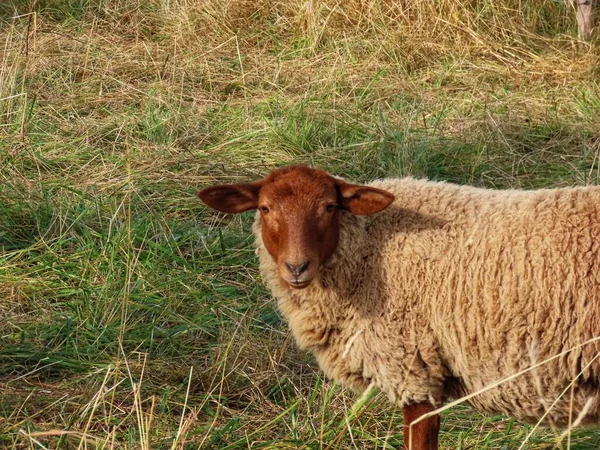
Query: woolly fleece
[[453, 288]]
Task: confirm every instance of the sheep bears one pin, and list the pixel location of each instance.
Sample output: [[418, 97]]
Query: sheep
[[430, 290]]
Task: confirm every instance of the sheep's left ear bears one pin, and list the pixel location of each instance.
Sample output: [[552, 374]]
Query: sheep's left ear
[[363, 200]]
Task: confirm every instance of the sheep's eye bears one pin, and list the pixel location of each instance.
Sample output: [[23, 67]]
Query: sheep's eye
[[331, 207], [264, 209]]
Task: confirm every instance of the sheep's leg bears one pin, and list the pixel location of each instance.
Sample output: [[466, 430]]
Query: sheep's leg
[[422, 435], [585, 17]]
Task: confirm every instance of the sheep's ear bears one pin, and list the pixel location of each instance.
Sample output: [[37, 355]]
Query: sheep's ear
[[231, 198], [363, 200]]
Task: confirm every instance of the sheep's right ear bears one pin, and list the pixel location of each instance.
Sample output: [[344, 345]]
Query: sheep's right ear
[[231, 198]]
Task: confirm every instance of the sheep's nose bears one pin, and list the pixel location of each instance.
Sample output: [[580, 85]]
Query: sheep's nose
[[297, 270]]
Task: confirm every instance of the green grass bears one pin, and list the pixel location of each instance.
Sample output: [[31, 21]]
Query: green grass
[[133, 316]]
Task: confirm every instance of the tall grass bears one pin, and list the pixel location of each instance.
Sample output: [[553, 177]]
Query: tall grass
[[134, 317]]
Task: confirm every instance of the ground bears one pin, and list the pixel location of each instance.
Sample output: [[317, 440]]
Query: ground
[[133, 317]]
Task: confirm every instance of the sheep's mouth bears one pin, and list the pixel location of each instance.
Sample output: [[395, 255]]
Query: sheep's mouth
[[299, 284]]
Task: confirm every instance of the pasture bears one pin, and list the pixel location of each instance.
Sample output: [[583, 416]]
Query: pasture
[[134, 317]]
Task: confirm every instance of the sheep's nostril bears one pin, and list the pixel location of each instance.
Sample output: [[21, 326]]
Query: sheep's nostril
[[298, 269], [303, 267]]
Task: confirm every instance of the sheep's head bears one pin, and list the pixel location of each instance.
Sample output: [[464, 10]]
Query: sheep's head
[[299, 214]]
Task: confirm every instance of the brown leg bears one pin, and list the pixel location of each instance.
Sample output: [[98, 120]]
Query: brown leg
[[422, 435]]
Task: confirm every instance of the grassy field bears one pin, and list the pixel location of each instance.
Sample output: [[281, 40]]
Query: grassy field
[[135, 318]]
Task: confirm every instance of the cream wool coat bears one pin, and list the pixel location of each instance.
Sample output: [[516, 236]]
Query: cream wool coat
[[453, 288]]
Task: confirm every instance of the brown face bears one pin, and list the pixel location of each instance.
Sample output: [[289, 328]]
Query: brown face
[[299, 223], [299, 211]]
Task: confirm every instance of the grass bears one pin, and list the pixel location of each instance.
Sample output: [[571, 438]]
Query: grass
[[134, 317]]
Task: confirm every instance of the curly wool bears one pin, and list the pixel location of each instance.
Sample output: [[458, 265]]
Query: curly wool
[[453, 288]]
